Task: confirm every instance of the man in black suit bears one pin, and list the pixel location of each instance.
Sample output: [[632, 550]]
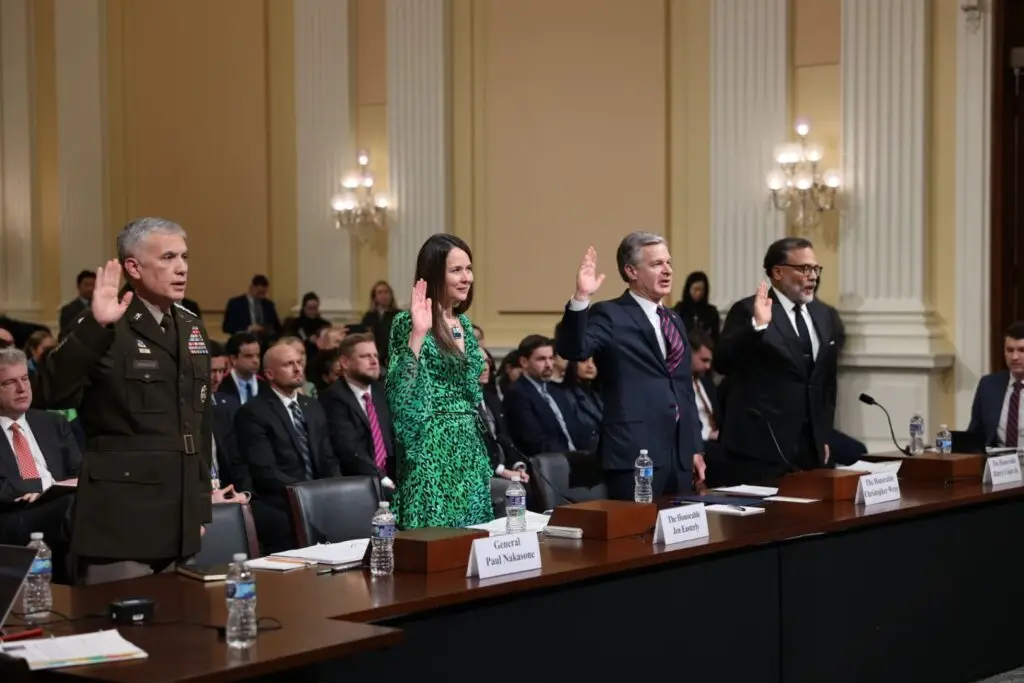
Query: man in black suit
[[282, 434], [646, 386], [540, 416], [86, 283], [242, 381], [996, 415], [358, 416], [38, 450], [252, 312], [780, 349]]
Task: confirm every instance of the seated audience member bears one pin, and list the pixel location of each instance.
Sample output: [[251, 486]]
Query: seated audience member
[[282, 434], [695, 307], [508, 372], [242, 382], [38, 450], [587, 406], [69, 312], [252, 312], [17, 332], [229, 473], [505, 457], [382, 302], [324, 370], [39, 342], [308, 388], [478, 332], [540, 417], [6, 338], [308, 323], [358, 416], [996, 416]]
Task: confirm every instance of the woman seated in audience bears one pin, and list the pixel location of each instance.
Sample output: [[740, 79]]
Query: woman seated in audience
[[585, 399], [382, 302], [695, 308], [508, 372], [308, 322], [324, 369]]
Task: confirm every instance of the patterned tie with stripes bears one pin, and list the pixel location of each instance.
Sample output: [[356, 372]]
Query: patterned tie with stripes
[[673, 340], [1013, 417], [380, 450]]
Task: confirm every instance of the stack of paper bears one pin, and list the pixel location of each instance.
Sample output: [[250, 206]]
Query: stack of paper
[[88, 648], [748, 490], [334, 555], [739, 510], [872, 467], [534, 522]]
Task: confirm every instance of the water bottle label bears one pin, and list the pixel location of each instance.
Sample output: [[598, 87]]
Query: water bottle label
[[946, 444], [41, 566], [241, 590], [515, 501], [646, 472], [384, 530]]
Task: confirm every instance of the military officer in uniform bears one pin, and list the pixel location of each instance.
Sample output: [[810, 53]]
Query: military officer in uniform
[[136, 365]]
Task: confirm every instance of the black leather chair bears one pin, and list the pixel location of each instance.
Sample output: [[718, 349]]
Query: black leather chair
[[232, 531], [562, 478], [333, 510]]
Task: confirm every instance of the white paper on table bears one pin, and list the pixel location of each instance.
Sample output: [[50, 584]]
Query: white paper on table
[[738, 510], [1000, 450], [791, 499], [872, 467], [534, 522], [332, 554], [77, 650], [748, 490]]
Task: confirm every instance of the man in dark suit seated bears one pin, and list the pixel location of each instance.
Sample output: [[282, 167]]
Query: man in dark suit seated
[[253, 312], [242, 381], [707, 403], [996, 415], [358, 417], [780, 349], [38, 450], [283, 435], [640, 346], [540, 417]]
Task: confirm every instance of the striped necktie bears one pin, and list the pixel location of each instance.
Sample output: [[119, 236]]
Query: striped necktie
[[673, 340]]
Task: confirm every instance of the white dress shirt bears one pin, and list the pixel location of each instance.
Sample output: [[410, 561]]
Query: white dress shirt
[[1004, 414], [254, 387], [288, 401], [46, 479], [788, 306], [649, 308], [360, 393]]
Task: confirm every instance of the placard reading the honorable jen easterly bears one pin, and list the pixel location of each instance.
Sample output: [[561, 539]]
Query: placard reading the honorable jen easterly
[[684, 523]]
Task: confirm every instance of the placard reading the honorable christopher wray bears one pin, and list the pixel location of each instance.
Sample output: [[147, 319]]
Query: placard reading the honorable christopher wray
[[1002, 469], [684, 523], [500, 555], [880, 487]]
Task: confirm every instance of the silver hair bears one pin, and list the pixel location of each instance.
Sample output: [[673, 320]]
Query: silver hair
[[628, 253], [139, 230], [12, 356]]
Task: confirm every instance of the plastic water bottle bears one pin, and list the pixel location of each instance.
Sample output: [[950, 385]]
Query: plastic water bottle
[[917, 434], [241, 600], [36, 597], [382, 553], [944, 440], [642, 492], [515, 506]]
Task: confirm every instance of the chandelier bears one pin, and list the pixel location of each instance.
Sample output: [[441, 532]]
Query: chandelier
[[356, 208], [797, 185]]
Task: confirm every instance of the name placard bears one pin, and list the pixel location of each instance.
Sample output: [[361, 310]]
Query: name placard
[[684, 523], [880, 487], [1002, 469], [500, 555]]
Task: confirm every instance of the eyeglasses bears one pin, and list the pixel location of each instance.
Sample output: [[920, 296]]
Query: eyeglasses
[[804, 269]]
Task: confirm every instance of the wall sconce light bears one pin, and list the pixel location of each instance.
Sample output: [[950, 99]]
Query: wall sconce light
[[357, 208], [973, 9], [798, 184]]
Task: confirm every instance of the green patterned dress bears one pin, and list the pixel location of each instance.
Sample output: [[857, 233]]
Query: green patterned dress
[[443, 469]]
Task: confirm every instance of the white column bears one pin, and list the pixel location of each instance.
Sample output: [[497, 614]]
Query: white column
[[82, 136], [749, 116], [418, 132], [895, 346], [325, 150], [18, 293], [973, 221]]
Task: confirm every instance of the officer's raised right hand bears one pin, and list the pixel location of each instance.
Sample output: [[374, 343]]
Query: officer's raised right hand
[[106, 308]]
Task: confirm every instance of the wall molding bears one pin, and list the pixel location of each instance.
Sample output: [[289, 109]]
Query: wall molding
[[19, 293], [973, 217], [749, 117], [325, 150]]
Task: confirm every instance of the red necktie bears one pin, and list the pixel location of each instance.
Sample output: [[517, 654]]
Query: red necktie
[[380, 451], [23, 454], [1013, 416]]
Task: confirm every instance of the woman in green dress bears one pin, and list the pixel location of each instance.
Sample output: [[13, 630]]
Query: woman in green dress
[[433, 390]]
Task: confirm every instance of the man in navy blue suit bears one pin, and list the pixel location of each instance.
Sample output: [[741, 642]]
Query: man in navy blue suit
[[646, 386], [996, 416]]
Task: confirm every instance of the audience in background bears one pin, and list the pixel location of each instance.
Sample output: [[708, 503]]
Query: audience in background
[[242, 382], [585, 401], [308, 324], [695, 307], [86, 283], [252, 312], [382, 302]]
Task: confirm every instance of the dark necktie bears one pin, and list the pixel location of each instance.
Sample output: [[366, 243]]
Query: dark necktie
[[302, 438], [673, 340], [1013, 416], [806, 348]]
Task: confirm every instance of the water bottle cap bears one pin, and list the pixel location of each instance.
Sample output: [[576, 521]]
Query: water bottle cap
[[36, 536], [643, 451], [239, 557], [943, 427], [384, 505]]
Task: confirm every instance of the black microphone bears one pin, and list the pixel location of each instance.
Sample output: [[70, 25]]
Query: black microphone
[[870, 401], [754, 412]]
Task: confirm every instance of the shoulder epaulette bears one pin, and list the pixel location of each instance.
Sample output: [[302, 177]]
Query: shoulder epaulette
[[185, 309]]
